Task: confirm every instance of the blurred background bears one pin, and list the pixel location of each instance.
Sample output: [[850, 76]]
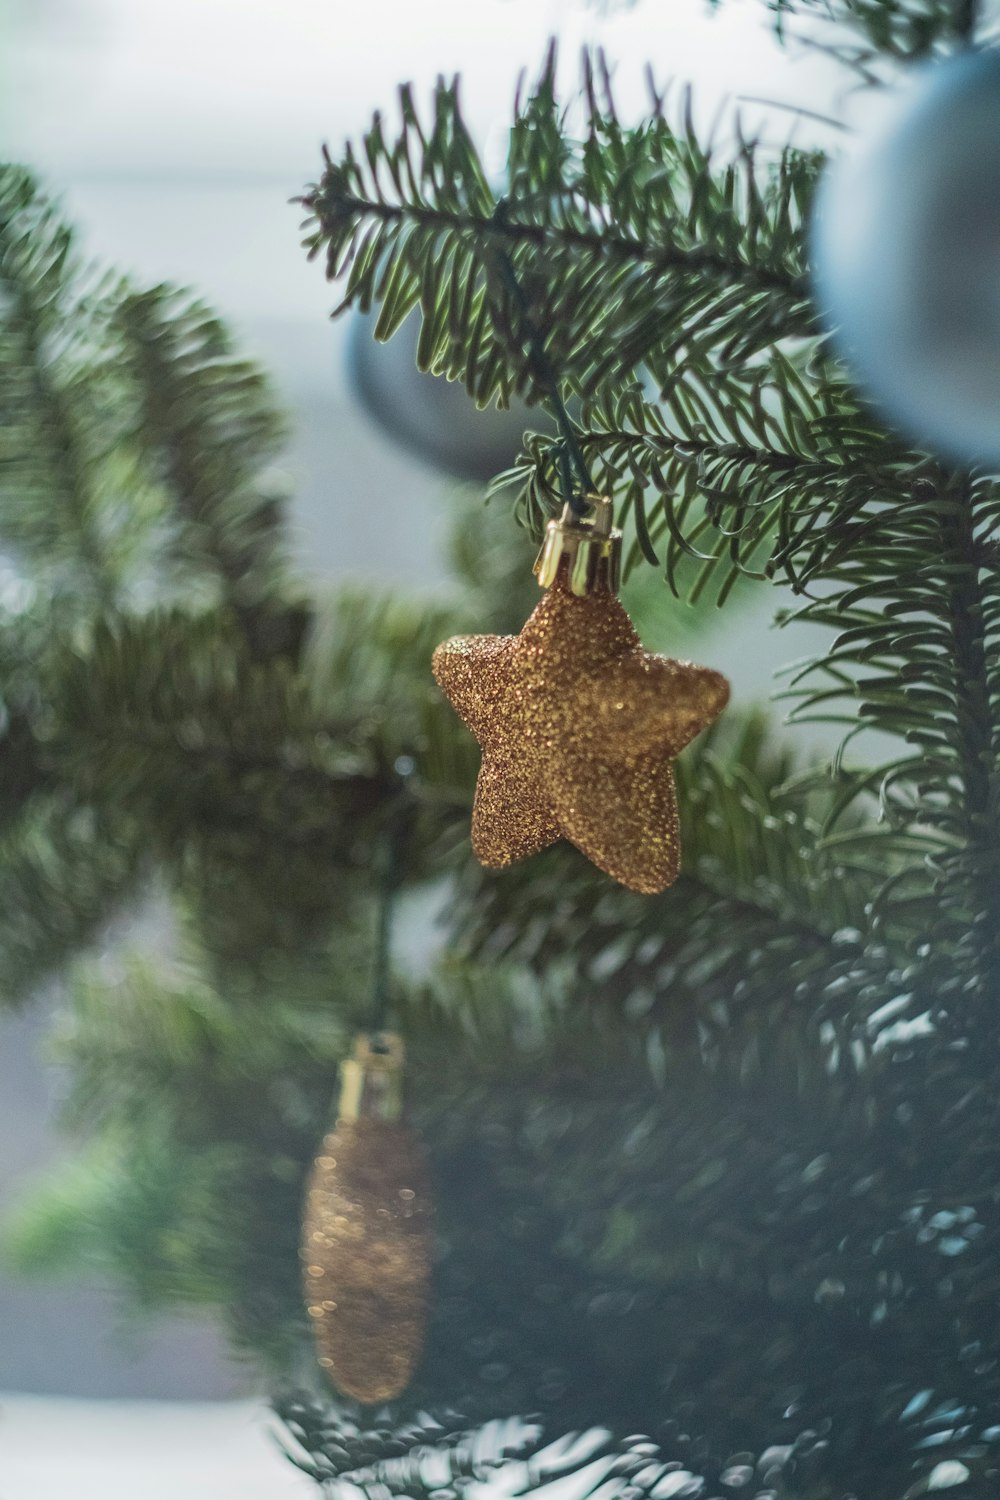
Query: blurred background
[[176, 131]]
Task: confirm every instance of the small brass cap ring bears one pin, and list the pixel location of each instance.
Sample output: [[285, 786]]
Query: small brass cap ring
[[371, 1082], [582, 552]]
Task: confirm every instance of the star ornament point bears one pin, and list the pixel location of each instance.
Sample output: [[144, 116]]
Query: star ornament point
[[578, 727]]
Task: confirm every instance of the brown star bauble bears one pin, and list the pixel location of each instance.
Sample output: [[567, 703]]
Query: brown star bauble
[[578, 724]]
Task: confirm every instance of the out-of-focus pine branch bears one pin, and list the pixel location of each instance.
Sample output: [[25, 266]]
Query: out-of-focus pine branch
[[53, 403], [207, 429], [65, 868], [868, 35]]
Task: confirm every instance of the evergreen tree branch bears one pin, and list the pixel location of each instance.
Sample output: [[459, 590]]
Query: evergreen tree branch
[[866, 34], [771, 475], [762, 887], [681, 1234], [610, 264], [723, 463], [617, 1199], [966, 19], [973, 600], [207, 429], [913, 657], [173, 717], [50, 499], [331, 208], [65, 870]]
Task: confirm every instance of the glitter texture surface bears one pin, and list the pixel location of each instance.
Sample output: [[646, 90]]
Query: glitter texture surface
[[366, 1253], [578, 726]]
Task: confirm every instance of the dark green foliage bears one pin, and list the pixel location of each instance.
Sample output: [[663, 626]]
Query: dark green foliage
[[718, 1167], [619, 241], [105, 471], [742, 448], [865, 34], [706, 965], [207, 427], [64, 867], [632, 249], [51, 397], [649, 1256]]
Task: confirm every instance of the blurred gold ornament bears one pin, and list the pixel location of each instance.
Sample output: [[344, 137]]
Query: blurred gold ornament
[[578, 725], [366, 1244]]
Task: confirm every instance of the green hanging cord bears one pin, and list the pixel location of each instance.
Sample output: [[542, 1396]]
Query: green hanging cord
[[393, 846], [569, 451], [565, 474]]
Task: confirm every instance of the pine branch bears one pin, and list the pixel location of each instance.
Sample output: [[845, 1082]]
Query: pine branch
[[778, 473], [761, 454], [65, 870], [207, 428], [973, 598], [639, 1210], [866, 34], [135, 439], [330, 208], [682, 1234], [262, 785], [172, 717], [764, 891], [511, 1457], [51, 496], [609, 263], [724, 462], [26, 642], [913, 593]]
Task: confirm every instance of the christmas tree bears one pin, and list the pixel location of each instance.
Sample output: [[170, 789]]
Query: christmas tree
[[715, 1170]]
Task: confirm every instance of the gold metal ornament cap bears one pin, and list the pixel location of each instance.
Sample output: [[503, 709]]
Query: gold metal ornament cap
[[371, 1082], [584, 551]]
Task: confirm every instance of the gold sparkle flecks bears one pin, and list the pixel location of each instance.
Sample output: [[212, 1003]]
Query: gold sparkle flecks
[[366, 1256], [578, 726]]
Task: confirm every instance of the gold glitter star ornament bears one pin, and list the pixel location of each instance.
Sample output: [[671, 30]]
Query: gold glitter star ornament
[[366, 1235], [578, 724]]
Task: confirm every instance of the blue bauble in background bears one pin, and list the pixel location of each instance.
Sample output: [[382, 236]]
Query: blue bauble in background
[[433, 418], [906, 256]]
